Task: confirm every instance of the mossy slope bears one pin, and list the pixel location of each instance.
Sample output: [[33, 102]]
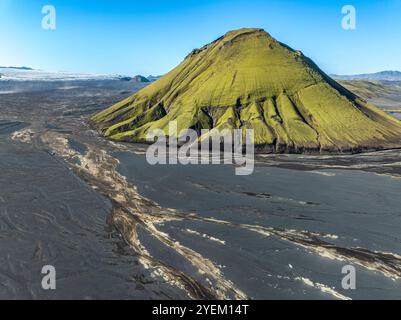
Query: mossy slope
[[247, 79]]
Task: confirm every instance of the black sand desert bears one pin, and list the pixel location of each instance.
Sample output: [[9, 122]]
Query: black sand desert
[[117, 228]]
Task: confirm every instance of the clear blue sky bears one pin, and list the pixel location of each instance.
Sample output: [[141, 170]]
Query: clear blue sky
[[152, 36]]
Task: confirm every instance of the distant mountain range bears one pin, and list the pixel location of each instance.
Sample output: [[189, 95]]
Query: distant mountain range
[[140, 78], [16, 68], [153, 78], [30, 74], [383, 75]]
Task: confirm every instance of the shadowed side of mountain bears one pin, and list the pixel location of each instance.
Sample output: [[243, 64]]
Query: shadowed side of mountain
[[248, 80]]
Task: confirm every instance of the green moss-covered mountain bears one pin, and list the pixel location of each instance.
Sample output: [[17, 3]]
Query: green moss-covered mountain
[[247, 79]]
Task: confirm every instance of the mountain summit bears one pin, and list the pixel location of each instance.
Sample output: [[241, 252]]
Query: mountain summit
[[247, 79]]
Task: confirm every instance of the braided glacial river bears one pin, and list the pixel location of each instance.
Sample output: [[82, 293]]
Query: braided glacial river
[[115, 227]]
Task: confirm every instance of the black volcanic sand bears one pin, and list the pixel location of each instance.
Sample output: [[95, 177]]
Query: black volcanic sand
[[312, 206], [361, 209], [8, 127], [49, 216]]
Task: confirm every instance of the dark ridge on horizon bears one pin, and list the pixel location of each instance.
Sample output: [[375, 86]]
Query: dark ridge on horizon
[[16, 68], [389, 75]]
